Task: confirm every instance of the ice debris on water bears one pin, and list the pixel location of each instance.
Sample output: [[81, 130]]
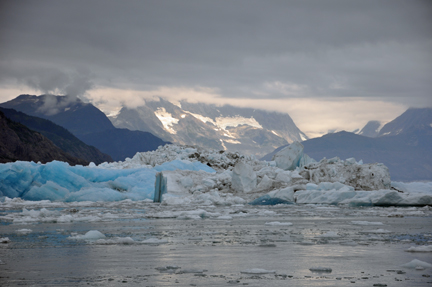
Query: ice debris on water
[[90, 235], [24, 231], [422, 248], [329, 234], [321, 269], [417, 263], [257, 271], [5, 240]]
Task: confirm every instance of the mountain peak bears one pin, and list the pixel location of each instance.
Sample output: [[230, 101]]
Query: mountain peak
[[413, 118]]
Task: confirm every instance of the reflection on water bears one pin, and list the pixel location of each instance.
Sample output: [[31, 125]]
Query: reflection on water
[[211, 252]]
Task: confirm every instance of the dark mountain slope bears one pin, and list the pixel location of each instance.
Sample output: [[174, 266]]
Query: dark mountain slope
[[122, 143], [408, 156], [60, 136], [412, 118], [20, 143], [404, 146], [87, 123], [74, 115]]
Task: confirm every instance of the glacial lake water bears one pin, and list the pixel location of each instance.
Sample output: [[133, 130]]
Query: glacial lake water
[[227, 246]]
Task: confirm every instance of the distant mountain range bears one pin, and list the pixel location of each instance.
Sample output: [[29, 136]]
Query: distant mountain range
[[87, 123], [251, 131], [60, 136], [404, 145], [20, 143]]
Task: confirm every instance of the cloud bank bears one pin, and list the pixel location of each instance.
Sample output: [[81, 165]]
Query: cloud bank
[[237, 52]]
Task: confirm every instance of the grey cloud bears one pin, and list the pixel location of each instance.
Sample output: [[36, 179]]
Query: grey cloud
[[376, 49]]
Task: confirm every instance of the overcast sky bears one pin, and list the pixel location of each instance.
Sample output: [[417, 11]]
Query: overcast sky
[[329, 64]]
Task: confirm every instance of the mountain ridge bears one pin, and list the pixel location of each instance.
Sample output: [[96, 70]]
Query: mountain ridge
[[84, 121], [252, 131], [60, 136], [406, 153], [18, 142]]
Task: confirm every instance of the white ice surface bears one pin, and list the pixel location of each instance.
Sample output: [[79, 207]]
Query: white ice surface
[[417, 263], [421, 248]]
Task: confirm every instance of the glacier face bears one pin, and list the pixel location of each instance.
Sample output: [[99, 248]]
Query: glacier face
[[251, 131]]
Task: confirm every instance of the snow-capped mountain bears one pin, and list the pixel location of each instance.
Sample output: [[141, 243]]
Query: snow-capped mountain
[[371, 129], [413, 118], [251, 131]]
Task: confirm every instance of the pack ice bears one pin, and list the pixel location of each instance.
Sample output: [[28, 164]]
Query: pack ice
[[207, 176]]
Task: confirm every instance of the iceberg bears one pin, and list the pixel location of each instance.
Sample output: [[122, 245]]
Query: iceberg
[[244, 178], [212, 177], [289, 157], [57, 181]]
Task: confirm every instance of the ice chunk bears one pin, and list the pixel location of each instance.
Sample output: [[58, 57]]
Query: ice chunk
[[5, 240], [278, 196], [362, 177], [321, 269], [90, 235], [24, 231], [417, 263], [265, 184], [289, 157], [423, 248], [244, 178], [257, 271]]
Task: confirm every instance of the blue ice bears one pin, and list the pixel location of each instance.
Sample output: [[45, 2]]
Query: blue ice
[[57, 181]]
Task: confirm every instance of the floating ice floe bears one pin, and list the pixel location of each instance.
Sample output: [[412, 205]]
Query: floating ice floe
[[417, 263], [4, 240], [422, 248], [24, 231], [90, 235], [321, 269], [257, 271], [115, 240]]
